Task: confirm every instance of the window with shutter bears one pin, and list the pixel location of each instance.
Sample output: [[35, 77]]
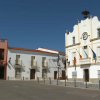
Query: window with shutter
[[98, 51], [73, 40], [33, 60], [98, 33]]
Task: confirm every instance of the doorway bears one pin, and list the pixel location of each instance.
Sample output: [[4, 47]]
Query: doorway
[[32, 74], [63, 74], [18, 73], [86, 75], [55, 74], [1, 72]]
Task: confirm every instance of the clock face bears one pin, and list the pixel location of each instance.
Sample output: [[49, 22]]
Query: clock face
[[85, 36]]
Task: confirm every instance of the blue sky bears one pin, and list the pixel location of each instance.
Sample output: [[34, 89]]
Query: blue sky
[[42, 23]]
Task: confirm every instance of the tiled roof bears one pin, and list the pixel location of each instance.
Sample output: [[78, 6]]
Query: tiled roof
[[25, 49]]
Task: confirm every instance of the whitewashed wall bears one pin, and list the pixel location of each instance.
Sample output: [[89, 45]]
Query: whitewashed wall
[[25, 56]]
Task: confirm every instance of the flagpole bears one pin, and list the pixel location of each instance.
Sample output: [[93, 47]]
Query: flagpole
[[77, 51], [94, 54], [85, 53], [74, 62], [75, 65]]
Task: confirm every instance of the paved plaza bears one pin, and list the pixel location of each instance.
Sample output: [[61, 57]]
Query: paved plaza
[[31, 90]]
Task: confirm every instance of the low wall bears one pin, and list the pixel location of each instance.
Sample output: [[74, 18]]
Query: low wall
[[73, 83]]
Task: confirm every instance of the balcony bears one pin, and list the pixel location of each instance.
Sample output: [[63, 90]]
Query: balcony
[[18, 63], [44, 65], [33, 64], [85, 61], [3, 63]]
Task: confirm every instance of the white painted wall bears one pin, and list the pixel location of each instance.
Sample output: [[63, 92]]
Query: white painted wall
[[93, 71], [79, 72], [25, 56]]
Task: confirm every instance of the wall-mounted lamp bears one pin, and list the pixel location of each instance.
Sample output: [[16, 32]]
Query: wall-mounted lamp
[[10, 60], [68, 62]]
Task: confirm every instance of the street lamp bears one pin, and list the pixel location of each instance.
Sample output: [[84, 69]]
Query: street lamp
[[58, 65], [10, 60], [66, 63]]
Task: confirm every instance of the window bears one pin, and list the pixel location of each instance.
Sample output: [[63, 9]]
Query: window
[[33, 61], [98, 33], [98, 51], [1, 54], [2, 40], [85, 52], [98, 73], [17, 59], [43, 59], [73, 40], [32, 58]]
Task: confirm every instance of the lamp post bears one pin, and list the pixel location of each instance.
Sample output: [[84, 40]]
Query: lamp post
[[58, 65], [66, 63]]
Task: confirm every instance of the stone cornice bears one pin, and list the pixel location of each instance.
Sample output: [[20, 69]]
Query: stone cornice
[[72, 45], [94, 39]]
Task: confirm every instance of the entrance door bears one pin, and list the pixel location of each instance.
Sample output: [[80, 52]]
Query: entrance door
[[63, 74], [1, 72], [86, 75], [18, 73], [32, 74], [55, 74], [44, 73]]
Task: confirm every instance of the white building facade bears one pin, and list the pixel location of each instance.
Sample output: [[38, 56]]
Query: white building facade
[[29, 64], [79, 44]]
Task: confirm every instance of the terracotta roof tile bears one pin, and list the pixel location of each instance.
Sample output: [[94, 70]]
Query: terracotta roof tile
[[25, 49]]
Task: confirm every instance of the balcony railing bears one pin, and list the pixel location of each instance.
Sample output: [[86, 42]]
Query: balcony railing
[[44, 64], [18, 62], [85, 60], [33, 63]]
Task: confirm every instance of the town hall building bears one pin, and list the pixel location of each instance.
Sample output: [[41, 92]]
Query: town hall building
[[83, 50]]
